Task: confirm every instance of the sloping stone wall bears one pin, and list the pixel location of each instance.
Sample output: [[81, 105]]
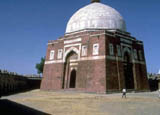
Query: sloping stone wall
[[13, 83]]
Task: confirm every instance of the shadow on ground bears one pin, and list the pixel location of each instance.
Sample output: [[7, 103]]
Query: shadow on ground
[[8, 107]]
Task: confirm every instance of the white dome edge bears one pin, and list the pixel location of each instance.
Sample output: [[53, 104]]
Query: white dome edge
[[104, 17]]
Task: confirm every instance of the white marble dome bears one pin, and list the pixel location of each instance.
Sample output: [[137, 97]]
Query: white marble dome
[[96, 16]]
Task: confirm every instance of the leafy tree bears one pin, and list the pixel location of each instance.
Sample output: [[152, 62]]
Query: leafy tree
[[39, 66]]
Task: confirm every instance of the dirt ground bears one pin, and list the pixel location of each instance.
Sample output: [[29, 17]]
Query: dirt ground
[[71, 103]]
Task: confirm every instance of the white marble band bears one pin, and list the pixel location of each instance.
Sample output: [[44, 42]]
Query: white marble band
[[95, 58]]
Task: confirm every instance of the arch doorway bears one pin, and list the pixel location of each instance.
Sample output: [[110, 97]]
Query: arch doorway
[[73, 79], [128, 72], [69, 78]]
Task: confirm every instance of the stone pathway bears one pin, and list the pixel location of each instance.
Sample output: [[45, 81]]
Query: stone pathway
[[71, 103]]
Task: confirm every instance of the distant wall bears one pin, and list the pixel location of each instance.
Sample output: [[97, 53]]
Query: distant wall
[[11, 83], [154, 82]]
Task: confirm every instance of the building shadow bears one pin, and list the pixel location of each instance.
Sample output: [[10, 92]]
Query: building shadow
[[8, 107]]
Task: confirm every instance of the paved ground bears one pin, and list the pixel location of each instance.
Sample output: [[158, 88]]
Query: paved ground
[[38, 102]]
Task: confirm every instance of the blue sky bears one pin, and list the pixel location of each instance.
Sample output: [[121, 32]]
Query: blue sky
[[27, 25]]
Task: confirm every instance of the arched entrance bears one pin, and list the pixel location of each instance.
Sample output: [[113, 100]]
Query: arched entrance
[[73, 79], [69, 78], [128, 71]]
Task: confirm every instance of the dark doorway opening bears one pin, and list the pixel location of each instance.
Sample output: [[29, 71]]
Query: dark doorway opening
[[73, 79], [68, 77], [128, 72]]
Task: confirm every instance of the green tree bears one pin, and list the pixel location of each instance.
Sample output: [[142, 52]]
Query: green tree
[[39, 66]]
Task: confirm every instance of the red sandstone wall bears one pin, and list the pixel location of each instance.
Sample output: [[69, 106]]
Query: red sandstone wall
[[52, 77], [95, 75], [91, 76], [141, 77]]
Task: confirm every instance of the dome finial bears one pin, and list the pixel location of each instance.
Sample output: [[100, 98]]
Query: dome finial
[[92, 1]]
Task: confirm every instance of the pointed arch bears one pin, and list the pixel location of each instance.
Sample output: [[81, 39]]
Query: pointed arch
[[127, 51], [71, 55], [69, 51], [128, 69], [73, 79]]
